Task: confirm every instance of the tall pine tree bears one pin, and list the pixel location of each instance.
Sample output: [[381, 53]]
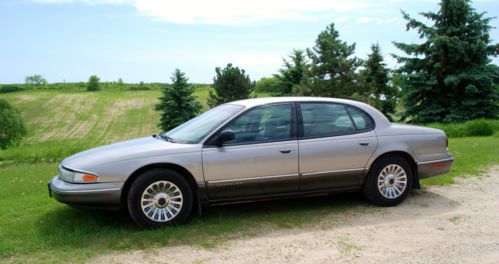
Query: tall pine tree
[[177, 105], [376, 81], [293, 71], [332, 68], [230, 84], [448, 77]]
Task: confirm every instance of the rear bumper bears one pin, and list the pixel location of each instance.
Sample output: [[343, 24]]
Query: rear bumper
[[435, 167], [96, 195]]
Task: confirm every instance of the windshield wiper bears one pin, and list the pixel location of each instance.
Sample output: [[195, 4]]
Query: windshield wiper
[[167, 138]]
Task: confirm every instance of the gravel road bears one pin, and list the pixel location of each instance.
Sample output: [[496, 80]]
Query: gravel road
[[440, 224]]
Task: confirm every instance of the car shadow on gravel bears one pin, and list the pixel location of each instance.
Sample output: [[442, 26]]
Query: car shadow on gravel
[[68, 227]]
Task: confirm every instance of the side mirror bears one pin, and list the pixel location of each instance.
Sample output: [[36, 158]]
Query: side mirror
[[226, 135]]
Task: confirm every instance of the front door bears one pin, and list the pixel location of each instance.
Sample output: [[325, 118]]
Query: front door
[[262, 159]]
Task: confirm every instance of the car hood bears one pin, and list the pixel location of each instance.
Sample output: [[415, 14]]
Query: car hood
[[131, 149]]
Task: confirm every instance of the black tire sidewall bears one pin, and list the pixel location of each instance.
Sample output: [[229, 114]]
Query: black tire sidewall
[[146, 179], [371, 190]]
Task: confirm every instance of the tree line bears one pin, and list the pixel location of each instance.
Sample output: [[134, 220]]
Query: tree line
[[448, 77]]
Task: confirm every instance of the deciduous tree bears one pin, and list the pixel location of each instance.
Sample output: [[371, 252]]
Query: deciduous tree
[[93, 83], [35, 81], [12, 127]]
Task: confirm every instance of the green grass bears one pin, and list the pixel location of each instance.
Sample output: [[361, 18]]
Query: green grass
[[473, 128], [472, 156], [35, 228]]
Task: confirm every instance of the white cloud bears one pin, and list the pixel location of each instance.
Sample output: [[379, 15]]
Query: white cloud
[[231, 11], [377, 20], [239, 12], [89, 2]]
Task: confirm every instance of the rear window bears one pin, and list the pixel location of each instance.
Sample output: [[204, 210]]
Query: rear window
[[361, 119]]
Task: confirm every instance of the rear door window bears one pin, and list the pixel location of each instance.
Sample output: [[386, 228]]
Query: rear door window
[[325, 119]]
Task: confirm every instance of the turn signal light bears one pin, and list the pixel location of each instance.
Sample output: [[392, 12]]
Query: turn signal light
[[89, 178], [85, 178]]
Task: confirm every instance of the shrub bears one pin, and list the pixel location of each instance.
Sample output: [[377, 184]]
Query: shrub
[[10, 88], [12, 127], [269, 85], [472, 128], [139, 88], [479, 128]]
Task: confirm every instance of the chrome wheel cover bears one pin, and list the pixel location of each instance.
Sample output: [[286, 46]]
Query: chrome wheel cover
[[161, 201], [392, 181]]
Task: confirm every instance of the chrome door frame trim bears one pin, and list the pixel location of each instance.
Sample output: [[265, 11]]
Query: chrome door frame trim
[[283, 176], [254, 178], [333, 171]]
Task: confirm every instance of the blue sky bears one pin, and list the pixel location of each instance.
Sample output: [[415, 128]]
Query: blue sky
[[145, 40]]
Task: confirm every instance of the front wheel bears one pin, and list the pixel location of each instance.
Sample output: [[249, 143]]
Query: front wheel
[[160, 197], [388, 181]]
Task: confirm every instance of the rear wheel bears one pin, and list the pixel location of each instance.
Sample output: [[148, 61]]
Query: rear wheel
[[160, 197], [389, 181]]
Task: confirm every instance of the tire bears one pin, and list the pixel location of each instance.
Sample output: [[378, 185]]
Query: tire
[[159, 198], [389, 181]]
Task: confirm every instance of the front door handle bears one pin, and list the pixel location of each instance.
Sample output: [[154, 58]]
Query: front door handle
[[285, 151], [364, 143]]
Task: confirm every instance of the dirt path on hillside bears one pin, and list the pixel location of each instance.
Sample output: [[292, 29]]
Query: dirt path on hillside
[[441, 224]]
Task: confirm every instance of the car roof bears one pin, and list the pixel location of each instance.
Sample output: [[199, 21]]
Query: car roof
[[270, 100], [378, 117]]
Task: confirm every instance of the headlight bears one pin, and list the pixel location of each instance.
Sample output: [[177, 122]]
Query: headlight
[[76, 177]]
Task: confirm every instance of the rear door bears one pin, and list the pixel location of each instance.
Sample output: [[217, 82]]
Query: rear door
[[335, 142]]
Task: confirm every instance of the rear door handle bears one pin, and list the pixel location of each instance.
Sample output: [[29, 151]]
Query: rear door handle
[[364, 143], [285, 151]]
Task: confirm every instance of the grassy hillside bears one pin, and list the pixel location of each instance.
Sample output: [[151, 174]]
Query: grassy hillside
[[64, 122], [34, 228]]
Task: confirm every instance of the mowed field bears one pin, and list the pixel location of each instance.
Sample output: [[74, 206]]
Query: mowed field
[[35, 228]]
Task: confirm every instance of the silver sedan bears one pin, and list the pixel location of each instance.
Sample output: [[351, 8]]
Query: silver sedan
[[255, 149]]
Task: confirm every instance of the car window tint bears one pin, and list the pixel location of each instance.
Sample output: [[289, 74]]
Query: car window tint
[[324, 119], [265, 123], [361, 119]]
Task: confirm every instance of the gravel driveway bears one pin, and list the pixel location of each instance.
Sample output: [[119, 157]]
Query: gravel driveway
[[440, 224]]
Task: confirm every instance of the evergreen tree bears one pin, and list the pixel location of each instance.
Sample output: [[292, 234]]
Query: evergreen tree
[[229, 84], [448, 77], [177, 105], [293, 71], [376, 81], [93, 83], [332, 69]]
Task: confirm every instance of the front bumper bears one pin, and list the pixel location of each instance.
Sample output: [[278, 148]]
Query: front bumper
[[94, 195], [435, 167]]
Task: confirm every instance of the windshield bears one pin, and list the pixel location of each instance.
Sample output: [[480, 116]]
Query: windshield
[[192, 131]]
